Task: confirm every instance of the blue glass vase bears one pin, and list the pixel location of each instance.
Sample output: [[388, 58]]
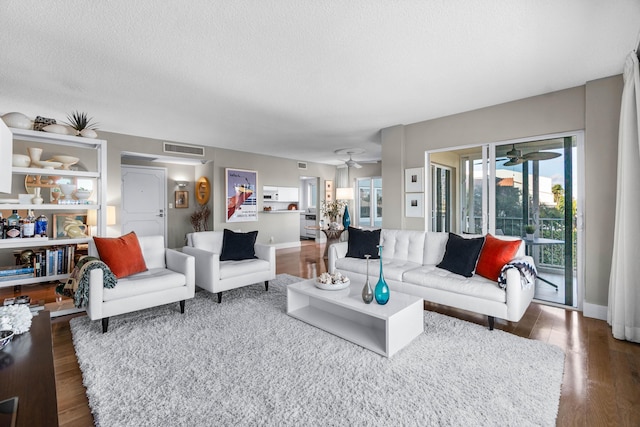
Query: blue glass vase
[[382, 290], [346, 219]]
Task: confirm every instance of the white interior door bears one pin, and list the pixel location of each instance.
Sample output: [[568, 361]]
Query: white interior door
[[144, 200]]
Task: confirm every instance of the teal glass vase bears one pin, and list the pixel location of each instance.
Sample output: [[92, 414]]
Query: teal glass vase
[[346, 218], [381, 292]]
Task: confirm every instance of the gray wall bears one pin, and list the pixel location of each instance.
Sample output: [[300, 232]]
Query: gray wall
[[284, 228], [594, 107]]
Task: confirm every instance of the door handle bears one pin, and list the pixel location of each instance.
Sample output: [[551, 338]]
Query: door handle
[[161, 215]]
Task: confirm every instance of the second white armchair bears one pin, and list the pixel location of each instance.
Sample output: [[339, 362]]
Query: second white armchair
[[217, 276]]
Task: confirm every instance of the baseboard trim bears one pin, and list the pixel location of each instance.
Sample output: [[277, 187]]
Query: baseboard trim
[[595, 311], [285, 245]]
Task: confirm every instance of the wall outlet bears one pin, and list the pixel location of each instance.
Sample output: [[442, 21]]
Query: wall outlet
[[170, 205]]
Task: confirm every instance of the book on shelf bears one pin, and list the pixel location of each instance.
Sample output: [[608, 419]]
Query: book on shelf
[[13, 270], [15, 277]]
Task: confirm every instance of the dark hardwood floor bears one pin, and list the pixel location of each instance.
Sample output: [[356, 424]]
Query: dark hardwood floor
[[601, 385]]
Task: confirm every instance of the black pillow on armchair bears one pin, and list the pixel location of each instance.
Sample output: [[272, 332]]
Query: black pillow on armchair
[[363, 242], [238, 246]]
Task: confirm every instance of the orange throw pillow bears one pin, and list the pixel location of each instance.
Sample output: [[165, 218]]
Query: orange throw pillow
[[494, 255], [122, 254]]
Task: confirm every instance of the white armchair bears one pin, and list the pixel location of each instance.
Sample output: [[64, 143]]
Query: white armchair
[[218, 276], [170, 278]]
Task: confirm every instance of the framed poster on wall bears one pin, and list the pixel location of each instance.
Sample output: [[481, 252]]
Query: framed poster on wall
[[241, 197], [413, 180], [414, 205]]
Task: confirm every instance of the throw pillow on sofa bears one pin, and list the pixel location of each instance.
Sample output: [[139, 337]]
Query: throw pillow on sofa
[[494, 255], [238, 246], [122, 254], [363, 242], [461, 255]]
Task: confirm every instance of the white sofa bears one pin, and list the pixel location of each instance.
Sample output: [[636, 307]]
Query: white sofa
[[218, 276], [170, 278], [409, 265]]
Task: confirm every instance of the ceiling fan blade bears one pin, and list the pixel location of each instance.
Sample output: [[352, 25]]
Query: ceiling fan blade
[[541, 155], [514, 162]]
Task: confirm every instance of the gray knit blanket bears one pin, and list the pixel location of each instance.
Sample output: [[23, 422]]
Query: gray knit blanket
[[77, 285]]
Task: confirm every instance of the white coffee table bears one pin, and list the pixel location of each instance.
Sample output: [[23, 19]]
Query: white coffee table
[[384, 329]]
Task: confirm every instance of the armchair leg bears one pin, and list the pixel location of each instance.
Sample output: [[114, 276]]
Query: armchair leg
[[492, 321], [219, 297], [105, 324], [182, 306], [266, 285]]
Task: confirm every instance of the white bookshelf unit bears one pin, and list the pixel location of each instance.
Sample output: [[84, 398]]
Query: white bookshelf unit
[[13, 181]]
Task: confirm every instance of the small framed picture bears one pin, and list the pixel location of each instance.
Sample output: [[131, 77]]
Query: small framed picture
[[328, 190], [182, 199], [413, 180], [414, 205], [72, 225]]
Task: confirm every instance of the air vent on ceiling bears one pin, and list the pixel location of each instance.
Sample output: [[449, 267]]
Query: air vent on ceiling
[[302, 165], [191, 150]]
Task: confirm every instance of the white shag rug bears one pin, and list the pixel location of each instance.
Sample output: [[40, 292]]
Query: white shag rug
[[245, 362]]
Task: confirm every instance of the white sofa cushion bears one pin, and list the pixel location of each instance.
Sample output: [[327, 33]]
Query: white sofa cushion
[[210, 241], [145, 283], [405, 245], [153, 251], [435, 244], [438, 278]]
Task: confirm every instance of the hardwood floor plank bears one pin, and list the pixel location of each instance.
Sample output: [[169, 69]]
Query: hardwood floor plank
[[601, 383]]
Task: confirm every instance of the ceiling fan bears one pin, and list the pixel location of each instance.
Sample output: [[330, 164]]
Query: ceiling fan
[[352, 163], [516, 157]]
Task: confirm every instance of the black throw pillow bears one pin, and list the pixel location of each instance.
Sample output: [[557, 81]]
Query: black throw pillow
[[461, 255], [238, 246], [363, 242]]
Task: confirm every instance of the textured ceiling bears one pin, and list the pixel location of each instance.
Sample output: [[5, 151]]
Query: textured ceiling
[[297, 78]]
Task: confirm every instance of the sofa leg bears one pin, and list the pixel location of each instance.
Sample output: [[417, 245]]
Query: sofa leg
[[182, 306], [105, 324], [219, 297], [492, 321], [266, 285]]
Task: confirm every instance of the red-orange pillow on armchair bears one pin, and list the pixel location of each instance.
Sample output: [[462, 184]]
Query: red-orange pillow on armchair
[[494, 255], [122, 254]]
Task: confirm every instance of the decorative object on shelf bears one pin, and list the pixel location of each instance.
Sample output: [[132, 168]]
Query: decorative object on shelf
[[82, 194], [67, 190], [20, 161], [382, 290], [46, 164], [292, 207], [37, 198], [55, 195], [25, 257], [332, 282], [182, 199], [67, 161], [59, 129], [18, 316], [34, 154], [69, 225], [203, 190], [82, 124], [17, 120], [41, 226], [530, 230], [367, 292], [40, 122]]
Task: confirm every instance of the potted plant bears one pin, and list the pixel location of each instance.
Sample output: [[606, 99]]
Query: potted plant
[[529, 229]]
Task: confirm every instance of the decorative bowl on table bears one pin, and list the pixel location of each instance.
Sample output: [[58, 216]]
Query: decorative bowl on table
[[332, 282], [5, 338]]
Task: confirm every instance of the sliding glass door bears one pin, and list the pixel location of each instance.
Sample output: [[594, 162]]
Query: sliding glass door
[[511, 188], [369, 202]]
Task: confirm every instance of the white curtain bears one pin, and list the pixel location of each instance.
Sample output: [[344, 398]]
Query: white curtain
[[624, 284]]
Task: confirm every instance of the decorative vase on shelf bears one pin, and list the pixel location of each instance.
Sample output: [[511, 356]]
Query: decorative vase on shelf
[[367, 292], [382, 290], [37, 199], [346, 219]]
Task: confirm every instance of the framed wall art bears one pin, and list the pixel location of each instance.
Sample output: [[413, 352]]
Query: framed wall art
[[182, 199], [414, 180], [73, 225], [203, 190], [241, 195], [414, 205], [328, 190]]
